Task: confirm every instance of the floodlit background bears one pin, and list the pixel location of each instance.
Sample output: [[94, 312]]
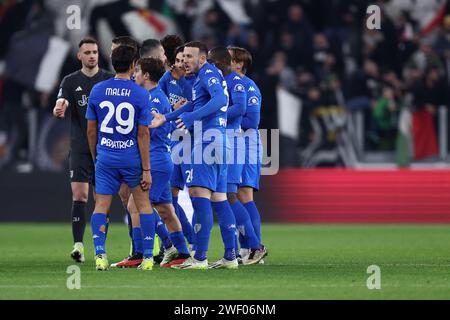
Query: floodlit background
[[362, 103]]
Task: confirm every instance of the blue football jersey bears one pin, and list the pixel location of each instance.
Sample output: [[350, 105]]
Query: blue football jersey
[[119, 106], [236, 92], [159, 137], [254, 100], [209, 80], [171, 87], [176, 90], [186, 83]]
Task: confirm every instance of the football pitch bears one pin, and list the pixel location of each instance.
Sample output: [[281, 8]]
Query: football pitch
[[304, 262]]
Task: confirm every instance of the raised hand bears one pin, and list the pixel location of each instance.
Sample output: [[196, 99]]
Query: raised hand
[[60, 108], [158, 120]]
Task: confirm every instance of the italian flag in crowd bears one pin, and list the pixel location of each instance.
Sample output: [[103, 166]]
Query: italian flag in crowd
[[416, 138]]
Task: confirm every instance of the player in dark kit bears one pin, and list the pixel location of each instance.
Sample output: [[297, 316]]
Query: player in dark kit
[[73, 95]]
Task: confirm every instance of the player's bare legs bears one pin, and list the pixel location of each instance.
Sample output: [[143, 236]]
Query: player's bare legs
[[134, 213], [245, 194], [167, 213], [199, 192], [124, 194], [80, 191]]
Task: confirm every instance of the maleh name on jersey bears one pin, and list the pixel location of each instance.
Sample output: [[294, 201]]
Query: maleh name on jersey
[[120, 92], [116, 144]]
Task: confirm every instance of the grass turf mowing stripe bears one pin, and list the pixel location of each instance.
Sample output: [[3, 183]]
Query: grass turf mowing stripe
[[304, 262]]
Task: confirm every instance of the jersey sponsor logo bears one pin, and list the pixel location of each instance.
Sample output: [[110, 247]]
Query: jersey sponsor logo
[[116, 144], [239, 88], [84, 101], [208, 71], [253, 101], [236, 78], [173, 82], [212, 81], [173, 98], [78, 89], [251, 89], [156, 100], [223, 122]]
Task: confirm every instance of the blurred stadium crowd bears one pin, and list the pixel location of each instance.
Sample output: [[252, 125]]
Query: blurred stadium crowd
[[346, 90]]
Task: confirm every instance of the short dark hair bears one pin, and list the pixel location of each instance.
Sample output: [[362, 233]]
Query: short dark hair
[[153, 66], [87, 40], [148, 46], [178, 50], [203, 49], [122, 58], [219, 55], [170, 43], [126, 41], [241, 55]]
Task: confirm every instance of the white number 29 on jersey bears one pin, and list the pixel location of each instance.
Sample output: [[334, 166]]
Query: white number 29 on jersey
[[125, 125]]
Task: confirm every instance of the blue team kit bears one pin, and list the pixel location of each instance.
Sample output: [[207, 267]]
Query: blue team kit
[[160, 159], [208, 87], [119, 106], [235, 143], [176, 90], [253, 155]]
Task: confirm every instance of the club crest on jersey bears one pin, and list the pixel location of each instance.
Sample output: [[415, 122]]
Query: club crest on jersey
[[239, 88], [253, 101], [212, 81], [83, 101]]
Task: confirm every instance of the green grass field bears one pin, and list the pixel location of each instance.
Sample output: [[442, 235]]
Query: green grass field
[[304, 262]]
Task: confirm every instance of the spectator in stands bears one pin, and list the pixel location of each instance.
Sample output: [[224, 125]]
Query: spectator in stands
[[302, 32], [385, 120], [431, 92], [364, 87]]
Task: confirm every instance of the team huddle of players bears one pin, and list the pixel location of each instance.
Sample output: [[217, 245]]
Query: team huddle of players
[[173, 115]]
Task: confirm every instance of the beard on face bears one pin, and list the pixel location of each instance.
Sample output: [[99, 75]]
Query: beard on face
[[90, 65]]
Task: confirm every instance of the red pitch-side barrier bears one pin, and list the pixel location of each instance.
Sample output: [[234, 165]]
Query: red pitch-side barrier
[[356, 196]]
